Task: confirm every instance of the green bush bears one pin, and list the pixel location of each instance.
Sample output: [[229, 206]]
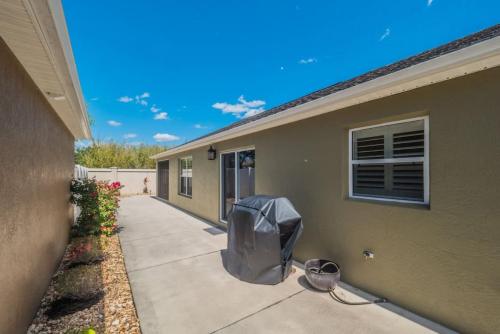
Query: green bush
[[98, 202], [84, 195], [108, 205], [105, 155]]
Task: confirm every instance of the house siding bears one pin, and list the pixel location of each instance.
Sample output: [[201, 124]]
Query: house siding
[[440, 261], [36, 166]]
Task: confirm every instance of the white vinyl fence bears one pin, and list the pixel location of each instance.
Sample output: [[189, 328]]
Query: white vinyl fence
[[80, 173], [135, 181]]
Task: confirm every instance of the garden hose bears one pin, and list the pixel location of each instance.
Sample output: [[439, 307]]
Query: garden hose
[[342, 301]]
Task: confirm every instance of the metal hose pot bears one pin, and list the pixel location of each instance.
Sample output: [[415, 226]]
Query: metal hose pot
[[322, 274]]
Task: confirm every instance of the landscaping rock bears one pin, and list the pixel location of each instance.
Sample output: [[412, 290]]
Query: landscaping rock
[[113, 313]]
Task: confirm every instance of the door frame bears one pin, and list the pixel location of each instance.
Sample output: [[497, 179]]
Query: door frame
[[236, 171], [158, 180]]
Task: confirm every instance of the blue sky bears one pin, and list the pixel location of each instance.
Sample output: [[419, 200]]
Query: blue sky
[[169, 71]]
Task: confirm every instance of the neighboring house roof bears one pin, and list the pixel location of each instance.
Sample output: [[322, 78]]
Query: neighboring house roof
[[35, 31], [461, 57]]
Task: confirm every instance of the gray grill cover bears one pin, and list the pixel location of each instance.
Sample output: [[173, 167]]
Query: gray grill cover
[[262, 232]]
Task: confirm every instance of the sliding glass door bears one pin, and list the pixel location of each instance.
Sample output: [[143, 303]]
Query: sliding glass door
[[237, 178], [228, 183]]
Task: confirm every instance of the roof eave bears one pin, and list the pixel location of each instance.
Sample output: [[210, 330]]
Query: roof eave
[[465, 61], [49, 15], [35, 31]]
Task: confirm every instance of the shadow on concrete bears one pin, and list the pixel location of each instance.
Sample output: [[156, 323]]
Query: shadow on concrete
[[302, 280], [218, 226]]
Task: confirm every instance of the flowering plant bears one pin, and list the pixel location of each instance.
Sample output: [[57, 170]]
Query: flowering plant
[[98, 202], [108, 205]]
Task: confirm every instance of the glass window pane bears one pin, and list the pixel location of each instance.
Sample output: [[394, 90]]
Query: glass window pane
[[228, 183], [183, 185], [189, 190], [246, 174]]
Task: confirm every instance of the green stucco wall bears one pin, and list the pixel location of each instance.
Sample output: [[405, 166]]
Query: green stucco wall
[[442, 261], [36, 164]]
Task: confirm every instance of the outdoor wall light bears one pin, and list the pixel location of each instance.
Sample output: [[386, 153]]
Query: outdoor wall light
[[212, 153]]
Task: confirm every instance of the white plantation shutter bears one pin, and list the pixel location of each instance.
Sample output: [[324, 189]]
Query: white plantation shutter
[[389, 161]]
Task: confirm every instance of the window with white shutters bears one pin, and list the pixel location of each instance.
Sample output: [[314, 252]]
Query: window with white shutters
[[390, 161], [186, 176]]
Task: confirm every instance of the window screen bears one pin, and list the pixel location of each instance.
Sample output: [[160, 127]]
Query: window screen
[[389, 161]]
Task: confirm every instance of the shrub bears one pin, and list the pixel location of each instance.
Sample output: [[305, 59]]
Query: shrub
[[84, 251], [82, 282], [84, 194], [98, 202], [108, 205]]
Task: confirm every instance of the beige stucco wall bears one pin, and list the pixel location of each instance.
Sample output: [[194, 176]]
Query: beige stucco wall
[[36, 164], [131, 179], [440, 261]]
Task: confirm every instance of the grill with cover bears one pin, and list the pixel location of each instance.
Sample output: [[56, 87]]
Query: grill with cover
[[262, 232]]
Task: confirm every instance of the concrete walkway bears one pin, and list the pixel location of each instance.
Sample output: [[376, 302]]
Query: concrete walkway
[[179, 285]]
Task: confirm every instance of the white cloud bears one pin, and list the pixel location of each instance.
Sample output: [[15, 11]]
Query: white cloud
[[429, 2], [114, 123], [163, 137], [243, 109], [308, 61], [125, 99], [139, 99], [200, 126], [82, 143], [385, 34], [251, 104], [162, 115], [154, 108], [94, 99], [129, 135]]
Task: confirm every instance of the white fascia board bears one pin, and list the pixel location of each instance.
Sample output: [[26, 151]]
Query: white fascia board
[[468, 60], [71, 81], [48, 20]]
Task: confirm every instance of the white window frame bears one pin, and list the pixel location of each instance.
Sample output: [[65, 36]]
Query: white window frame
[[424, 159], [180, 177]]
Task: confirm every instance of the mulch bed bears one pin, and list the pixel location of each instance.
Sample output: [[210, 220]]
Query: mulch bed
[[110, 311]]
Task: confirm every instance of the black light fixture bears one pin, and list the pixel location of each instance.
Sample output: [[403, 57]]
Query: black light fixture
[[212, 153]]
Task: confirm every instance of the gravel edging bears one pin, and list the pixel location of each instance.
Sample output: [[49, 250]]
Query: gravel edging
[[115, 313], [119, 310]]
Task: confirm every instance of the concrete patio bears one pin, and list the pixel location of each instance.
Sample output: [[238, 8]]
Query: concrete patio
[[180, 286]]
